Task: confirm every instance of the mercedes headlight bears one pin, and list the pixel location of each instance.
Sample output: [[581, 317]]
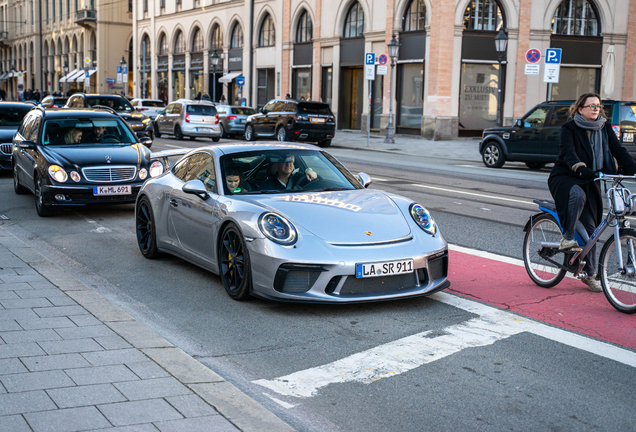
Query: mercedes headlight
[[57, 173], [146, 121], [156, 169], [143, 173], [423, 218], [75, 176], [277, 229]]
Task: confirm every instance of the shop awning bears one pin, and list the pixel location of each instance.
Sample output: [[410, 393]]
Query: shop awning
[[4, 76], [229, 77], [9, 74], [73, 76], [67, 76], [81, 75]]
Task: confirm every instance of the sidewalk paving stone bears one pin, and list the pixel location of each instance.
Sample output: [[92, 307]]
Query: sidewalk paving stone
[[84, 332], [14, 423], [53, 362], [60, 311], [62, 301], [15, 286], [183, 367], [9, 295], [112, 342], [191, 406], [16, 314], [30, 336], [136, 412], [72, 419], [45, 323], [25, 303], [35, 381], [138, 335], [147, 370], [147, 389], [16, 403], [201, 424], [11, 366], [71, 346], [96, 394], [20, 350], [115, 357], [9, 325], [21, 278], [41, 292], [101, 375], [84, 320]]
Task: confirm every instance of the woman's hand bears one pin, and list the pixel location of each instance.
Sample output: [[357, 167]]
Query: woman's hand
[[585, 173]]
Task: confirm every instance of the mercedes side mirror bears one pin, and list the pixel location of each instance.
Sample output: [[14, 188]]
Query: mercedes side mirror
[[145, 141], [27, 144], [364, 179], [519, 123], [196, 187]]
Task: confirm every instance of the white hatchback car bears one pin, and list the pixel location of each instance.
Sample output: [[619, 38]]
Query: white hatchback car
[[186, 118], [150, 107]]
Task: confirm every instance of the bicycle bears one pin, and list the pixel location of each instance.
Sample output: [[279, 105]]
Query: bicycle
[[547, 265]]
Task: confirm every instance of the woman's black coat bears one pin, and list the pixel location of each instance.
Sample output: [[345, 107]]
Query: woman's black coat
[[575, 147]]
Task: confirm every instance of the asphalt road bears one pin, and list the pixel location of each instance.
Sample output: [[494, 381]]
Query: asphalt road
[[520, 382]]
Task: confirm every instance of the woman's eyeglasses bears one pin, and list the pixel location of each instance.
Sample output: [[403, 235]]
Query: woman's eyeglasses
[[593, 107]]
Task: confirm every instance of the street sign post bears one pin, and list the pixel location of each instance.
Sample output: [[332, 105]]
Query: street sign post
[[119, 78], [552, 65], [382, 70], [125, 74], [240, 81], [369, 75], [383, 59]]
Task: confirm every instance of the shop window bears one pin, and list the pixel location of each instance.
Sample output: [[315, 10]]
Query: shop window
[[574, 81], [483, 15], [354, 23], [267, 35], [304, 30], [478, 98], [327, 76], [179, 44], [415, 16], [237, 37], [575, 18], [197, 41], [411, 95]]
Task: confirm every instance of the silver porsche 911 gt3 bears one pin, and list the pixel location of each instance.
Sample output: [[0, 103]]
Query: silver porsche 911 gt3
[[289, 222]]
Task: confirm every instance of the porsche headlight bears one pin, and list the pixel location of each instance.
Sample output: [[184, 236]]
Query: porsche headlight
[[277, 229], [57, 173], [423, 218], [143, 173], [156, 169], [75, 176], [146, 121]]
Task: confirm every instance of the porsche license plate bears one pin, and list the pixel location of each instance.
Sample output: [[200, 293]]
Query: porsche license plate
[[317, 120], [112, 190], [387, 268]]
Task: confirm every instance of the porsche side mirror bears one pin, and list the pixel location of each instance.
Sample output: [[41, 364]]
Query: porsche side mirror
[[27, 144], [196, 187], [364, 179]]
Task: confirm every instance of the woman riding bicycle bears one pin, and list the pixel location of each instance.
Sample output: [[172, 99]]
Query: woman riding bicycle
[[588, 145]]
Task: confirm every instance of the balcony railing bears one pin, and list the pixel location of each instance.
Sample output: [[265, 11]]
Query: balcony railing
[[85, 16]]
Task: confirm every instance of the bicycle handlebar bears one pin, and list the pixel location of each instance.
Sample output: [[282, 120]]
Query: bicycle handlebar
[[606, 177]]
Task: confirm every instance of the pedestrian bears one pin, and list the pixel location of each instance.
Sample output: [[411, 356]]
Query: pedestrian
[[287, 96], [3, 94], [588, 145], [198, 96], [45, 94], [36, 95], [222, 100], [28, 95]]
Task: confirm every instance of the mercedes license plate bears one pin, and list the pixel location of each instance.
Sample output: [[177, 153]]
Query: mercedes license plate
[[628, 137], [317, 119], [112, 190], [387, 268]]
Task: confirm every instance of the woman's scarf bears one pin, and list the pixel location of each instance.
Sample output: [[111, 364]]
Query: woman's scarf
[[596, 137]]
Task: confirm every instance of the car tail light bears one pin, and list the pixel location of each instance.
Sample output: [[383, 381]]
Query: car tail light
[[301, 118], [187, 118], [143, 109], [216, 119], [232, 117], [54, 106], [617, 131]]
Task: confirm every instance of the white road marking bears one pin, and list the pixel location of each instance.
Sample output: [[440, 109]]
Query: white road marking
[[408, 353], [475, 194], [485, 209], [279, 402]]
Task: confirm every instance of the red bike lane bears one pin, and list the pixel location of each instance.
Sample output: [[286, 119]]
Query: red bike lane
[[568, 305]]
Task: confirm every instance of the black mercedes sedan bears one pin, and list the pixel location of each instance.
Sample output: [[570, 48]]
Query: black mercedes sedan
[[71, 157], [11, 115]]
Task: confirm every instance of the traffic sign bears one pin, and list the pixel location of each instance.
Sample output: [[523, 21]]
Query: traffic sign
[[382, 70], [240, 81], [383, 59], [110, 80], [87, 61], [125, 74], [119, 77], [369, 66], [553, 55], [533, 55]]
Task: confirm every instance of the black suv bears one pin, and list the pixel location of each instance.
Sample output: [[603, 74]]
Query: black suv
[[534, 139], [292, 120], [11, 115], [140, 123]]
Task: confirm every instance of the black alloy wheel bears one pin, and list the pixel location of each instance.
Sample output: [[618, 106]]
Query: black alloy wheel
[[325, 143], [42, 209], [223, 134], [234, 264], [145, 227], [17, 187], [157, 133], [281, 134], [177, 133], [193, 138], [216, 139], [249, 133], [493, 156], [535, 165]]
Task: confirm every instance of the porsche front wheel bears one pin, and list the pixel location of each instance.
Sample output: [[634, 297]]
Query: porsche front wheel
[[234, 264], [145, 227]]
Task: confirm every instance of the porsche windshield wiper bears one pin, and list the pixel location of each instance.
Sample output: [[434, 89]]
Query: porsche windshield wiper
[[331, 189], [268, 191]]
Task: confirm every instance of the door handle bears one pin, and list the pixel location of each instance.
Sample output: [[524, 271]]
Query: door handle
[[174, 203]]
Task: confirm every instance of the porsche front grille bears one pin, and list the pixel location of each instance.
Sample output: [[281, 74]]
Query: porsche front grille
[[6, 148], [110, 174]]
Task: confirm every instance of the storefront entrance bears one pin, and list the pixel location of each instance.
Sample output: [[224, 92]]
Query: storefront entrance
[[410, 103], [352, 97], [266, 87], [478, 97]]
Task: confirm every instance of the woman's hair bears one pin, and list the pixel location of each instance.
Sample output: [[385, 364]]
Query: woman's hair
[[68, 136], [574, 108]]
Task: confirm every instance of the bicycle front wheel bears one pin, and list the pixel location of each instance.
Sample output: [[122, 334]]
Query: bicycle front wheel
[[619, 286], [544, 228]]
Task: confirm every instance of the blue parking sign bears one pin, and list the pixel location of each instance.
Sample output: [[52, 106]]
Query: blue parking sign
[[369, 58], [240, 81], [553, 55]]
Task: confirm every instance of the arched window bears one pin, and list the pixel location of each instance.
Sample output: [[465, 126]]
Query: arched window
[[163, 44], [575, 18], [304, 32], [216, 44], [354, 23], [197, 41], [146, 39], [179, 44], [237, 36], [415, 16], [267, 36], [483, 15]]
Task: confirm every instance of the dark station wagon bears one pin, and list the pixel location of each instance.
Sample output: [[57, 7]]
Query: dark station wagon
[[534, 139]]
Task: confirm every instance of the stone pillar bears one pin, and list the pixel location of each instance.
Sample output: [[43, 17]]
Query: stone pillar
[[206, 71], [316, 72], [285, 85], [170, 83], [187, 77], [523, 45], [388, 91]]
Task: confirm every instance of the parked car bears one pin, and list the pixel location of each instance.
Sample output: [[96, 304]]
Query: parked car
[[11, 115], [233, 119], [534, 139], [53, 102], [292, 120], [329, 239], [140, 123], [71, 157], [149, 107], [186, 118]]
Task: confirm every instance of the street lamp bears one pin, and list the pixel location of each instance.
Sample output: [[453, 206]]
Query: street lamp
[[65, 69], [501, 42], [122, 63], [214, 58], [394, 48]]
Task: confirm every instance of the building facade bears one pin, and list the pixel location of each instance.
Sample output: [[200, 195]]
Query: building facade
[[50, 45], [446, 78]]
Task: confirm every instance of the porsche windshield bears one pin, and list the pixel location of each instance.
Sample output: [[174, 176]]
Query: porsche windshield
[[88, 131], [282, 171]]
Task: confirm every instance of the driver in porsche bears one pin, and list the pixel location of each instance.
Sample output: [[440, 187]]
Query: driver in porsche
[[287, 177]]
